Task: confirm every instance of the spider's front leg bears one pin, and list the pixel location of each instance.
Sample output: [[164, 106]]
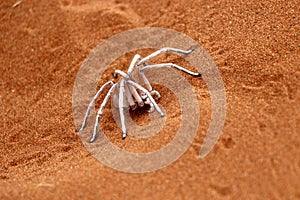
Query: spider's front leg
[[100, 111], [121, 108], [92, 104]]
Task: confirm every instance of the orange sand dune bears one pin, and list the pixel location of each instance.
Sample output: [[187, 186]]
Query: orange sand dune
[[256, 46]]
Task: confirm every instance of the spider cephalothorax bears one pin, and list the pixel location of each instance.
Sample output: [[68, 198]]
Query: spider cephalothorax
[[131, 94]]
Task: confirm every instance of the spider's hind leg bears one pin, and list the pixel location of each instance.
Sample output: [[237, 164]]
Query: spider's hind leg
[[196, 74], [163, 50]]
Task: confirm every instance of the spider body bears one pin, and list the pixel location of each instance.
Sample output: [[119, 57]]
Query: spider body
[[131, 94]]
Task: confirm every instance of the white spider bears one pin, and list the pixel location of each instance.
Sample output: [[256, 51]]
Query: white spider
[[131, 94]]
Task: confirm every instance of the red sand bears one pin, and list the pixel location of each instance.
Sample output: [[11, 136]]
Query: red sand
[[256, 47]]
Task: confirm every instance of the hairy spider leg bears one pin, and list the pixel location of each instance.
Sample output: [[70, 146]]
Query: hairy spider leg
[[100, 111], [136, 85], [92, 104], [171, 65], [163, 50], [121, 108]]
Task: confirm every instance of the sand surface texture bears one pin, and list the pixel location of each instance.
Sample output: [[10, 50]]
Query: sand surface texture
[[256, 46]]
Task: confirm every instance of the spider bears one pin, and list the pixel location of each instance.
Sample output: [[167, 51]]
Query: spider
[[132, 94]]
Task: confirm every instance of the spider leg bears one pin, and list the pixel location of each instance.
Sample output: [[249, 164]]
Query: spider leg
[[156, 94], [144, 78], [121, 108], [136, 85], [129, 97], [148, 102], [171, 65], [123, 74], [147, 83], [93, 138], [163, 50], [136, 95], [151, 108], [156, 53], [92, 104], [132, 64]]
